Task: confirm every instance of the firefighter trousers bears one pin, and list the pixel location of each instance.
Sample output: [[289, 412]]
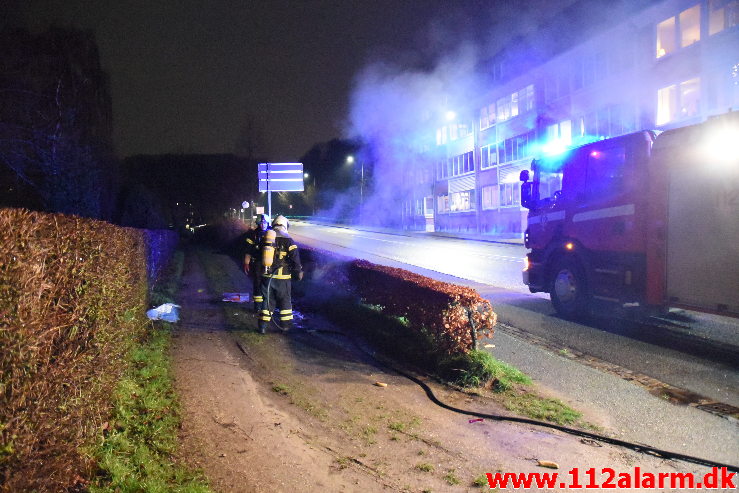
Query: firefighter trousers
[[276, 294], [256, 291]]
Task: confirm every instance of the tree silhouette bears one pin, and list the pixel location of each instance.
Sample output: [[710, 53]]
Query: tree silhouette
[[55, 123]]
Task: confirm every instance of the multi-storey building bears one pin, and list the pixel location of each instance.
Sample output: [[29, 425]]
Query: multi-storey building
[[670, 64]]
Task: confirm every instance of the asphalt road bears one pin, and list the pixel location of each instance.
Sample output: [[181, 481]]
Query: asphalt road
[[695, 352]]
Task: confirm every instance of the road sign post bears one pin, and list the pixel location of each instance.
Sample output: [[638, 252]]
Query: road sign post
[[279, 177]]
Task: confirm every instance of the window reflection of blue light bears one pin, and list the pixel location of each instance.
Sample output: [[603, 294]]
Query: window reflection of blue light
[[554, 148]]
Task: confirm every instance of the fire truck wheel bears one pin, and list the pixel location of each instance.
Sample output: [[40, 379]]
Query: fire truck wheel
[[569, 291]]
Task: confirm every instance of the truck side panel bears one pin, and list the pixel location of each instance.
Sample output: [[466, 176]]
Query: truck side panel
[[702, 270]]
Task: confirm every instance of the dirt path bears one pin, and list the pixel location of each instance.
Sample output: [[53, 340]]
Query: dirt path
[[301, 412]]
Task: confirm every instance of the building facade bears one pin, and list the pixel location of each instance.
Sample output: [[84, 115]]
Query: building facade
[[671, 64]]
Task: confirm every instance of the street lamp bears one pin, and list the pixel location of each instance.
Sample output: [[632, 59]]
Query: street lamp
[[350, 160], [315, 192]]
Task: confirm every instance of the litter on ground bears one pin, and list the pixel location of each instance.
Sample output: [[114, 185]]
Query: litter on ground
[[169, 312], [236, 297]]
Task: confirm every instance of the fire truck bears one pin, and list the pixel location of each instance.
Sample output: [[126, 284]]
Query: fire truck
[[649, 220]]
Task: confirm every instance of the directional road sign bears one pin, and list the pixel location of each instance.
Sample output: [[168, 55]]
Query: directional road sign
[[280, 177]]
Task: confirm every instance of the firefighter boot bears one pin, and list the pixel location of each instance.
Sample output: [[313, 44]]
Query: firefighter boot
[[286, 325], [264, 319]]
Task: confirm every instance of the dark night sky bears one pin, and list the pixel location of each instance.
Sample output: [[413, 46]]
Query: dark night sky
[[186, 75]]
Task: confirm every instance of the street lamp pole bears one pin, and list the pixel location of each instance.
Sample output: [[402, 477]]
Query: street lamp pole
[[350, 160], [315, 194]]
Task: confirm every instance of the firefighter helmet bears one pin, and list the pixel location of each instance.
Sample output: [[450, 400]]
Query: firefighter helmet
[[281, 221], [262, 219]]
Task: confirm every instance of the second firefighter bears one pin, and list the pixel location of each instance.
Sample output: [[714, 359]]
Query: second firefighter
[[253, 258], [281, 261]]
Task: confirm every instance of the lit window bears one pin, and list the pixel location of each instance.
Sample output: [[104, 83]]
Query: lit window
[[487, 116], [462, 201], [689, 98], [690, 26], [678, 101], [442, 203], [666, 37], [527, 99], [580, 127], [455, 202], [722, 14], [666, 105], [565, 131], [490, 197], [428, 206], [488, 156], [558, 137], [504, 109], [510, 194]]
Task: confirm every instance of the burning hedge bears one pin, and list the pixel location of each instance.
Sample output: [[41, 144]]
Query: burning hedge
[[453, 316], [72, 296]]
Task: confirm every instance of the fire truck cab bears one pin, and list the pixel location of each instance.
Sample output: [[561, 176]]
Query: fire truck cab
[[644, 219]]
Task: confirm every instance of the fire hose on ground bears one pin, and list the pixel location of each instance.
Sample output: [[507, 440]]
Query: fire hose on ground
[[640, 448]]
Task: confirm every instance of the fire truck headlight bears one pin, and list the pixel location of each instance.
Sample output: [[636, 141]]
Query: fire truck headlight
[[722, 146]]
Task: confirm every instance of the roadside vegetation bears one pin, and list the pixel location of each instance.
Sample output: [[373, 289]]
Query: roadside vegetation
[[477, 371], [372, 427], [139, 444]]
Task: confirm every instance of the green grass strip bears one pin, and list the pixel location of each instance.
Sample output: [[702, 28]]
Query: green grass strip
[[476, 368], [137, 452]]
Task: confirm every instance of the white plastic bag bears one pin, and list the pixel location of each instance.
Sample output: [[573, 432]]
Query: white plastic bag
[[169, 312]]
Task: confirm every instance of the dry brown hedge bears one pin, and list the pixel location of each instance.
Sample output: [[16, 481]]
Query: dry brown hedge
[[453, 316], [72, 297]]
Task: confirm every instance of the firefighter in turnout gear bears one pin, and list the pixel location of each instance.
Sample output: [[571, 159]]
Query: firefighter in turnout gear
[[253, 258], [280, 262]]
